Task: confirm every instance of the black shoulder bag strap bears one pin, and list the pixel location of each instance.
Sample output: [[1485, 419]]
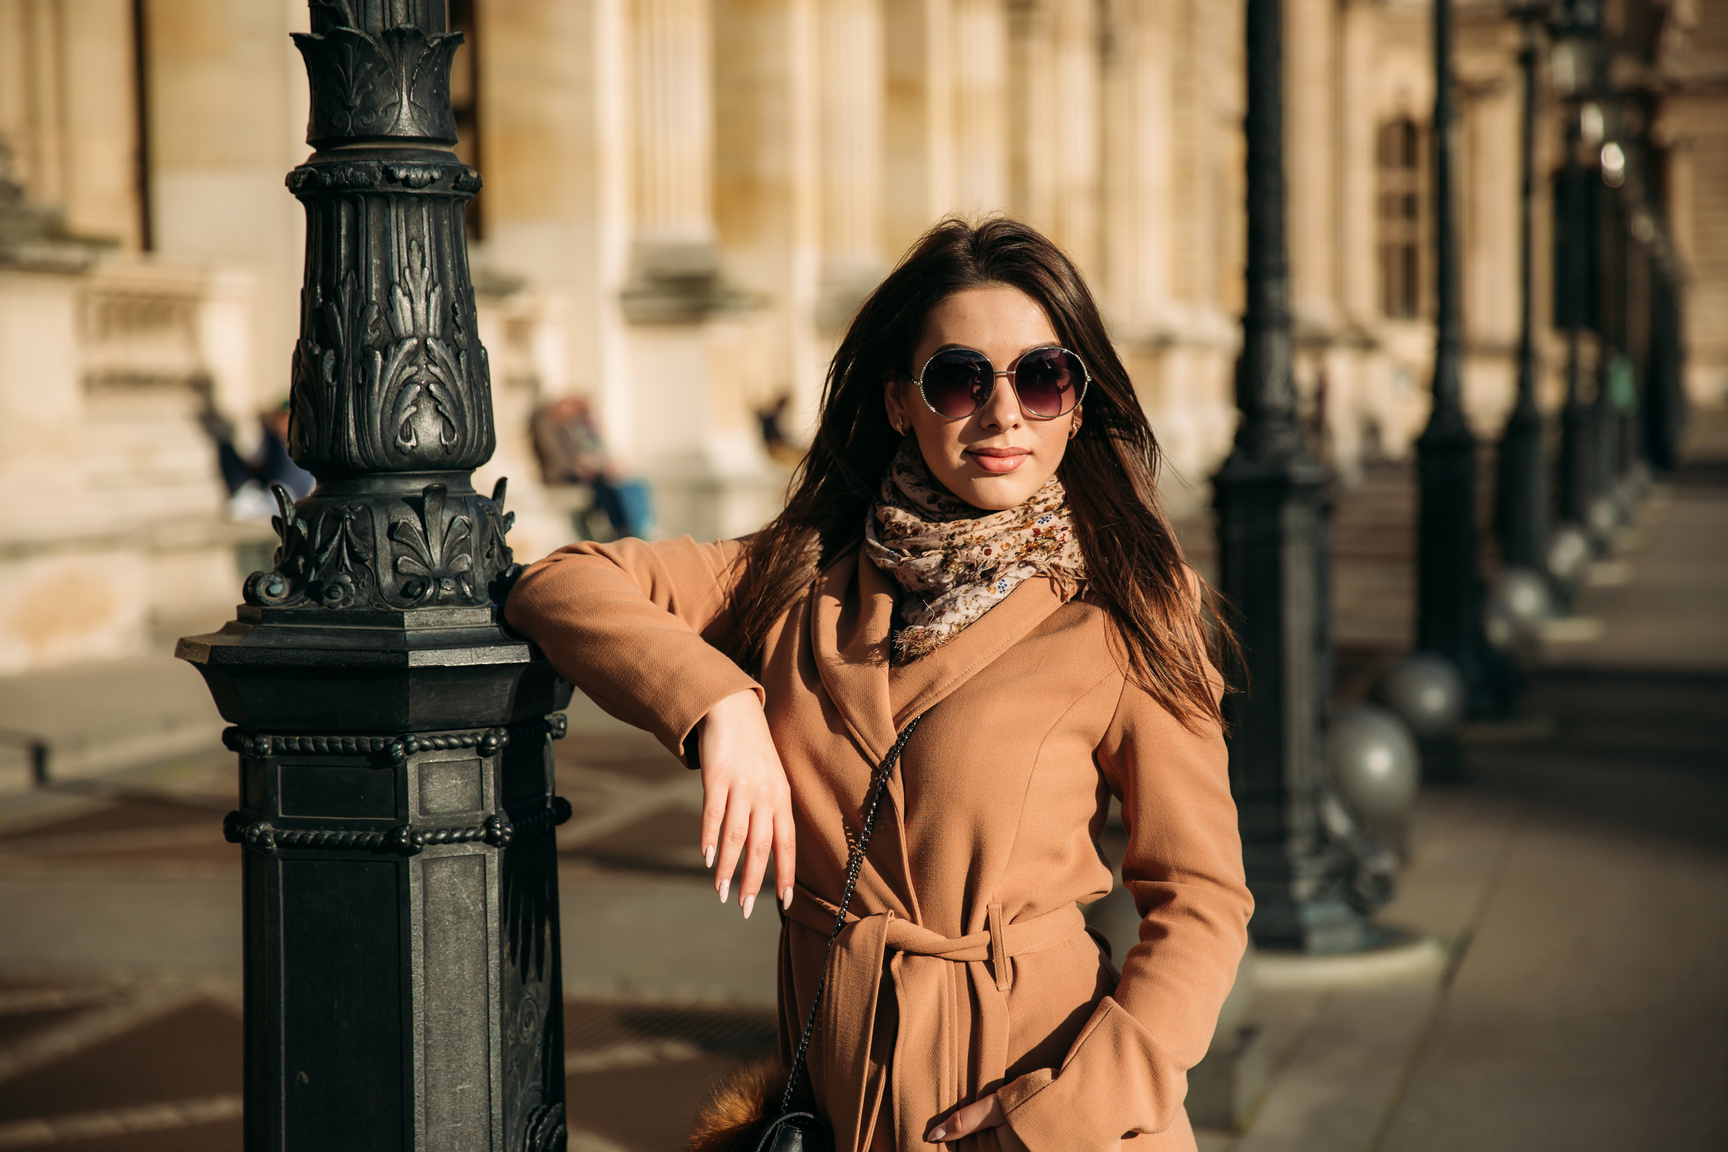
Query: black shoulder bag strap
[[801, 1131]]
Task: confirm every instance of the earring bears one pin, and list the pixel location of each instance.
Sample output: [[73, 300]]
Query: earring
[[1073, 429]]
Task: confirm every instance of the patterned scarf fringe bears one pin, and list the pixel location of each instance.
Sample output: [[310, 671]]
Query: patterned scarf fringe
[[954, 562]]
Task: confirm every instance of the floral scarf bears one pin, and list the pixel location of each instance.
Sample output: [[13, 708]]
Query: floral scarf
[[956, 563]]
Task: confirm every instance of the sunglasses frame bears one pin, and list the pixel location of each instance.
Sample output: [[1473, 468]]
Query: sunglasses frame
[[1085, 381]]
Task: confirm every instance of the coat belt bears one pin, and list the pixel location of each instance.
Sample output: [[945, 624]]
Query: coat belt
[[927, 993]]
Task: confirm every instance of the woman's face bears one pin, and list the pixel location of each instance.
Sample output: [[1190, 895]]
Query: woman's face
[[999, 456]]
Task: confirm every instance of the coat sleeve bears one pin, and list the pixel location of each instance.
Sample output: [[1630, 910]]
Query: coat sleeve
[[636, 626], [1127, 1071]]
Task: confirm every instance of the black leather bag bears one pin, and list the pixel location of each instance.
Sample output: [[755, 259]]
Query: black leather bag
[[804, 1131], [796, 1132]]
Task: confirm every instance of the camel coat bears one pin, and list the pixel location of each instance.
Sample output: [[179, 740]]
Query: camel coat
[[967, 968]]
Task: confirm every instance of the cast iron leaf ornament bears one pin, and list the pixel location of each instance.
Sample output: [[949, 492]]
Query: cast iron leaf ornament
[[421, 370], [440, 557], [395, 82], [338, 554], [279, 586]]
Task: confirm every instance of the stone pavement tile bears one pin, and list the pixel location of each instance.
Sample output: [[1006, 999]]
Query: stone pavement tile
[[126, 831], [648, 1109], [186, 1054], [221, 1136], [663, 938], [1591, 1011], [1670, 613], [1336, 1087], [98, 718], [637, 1072], [102, 920], [1459, 840]]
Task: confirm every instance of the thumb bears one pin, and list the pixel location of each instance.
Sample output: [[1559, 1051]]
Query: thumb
[[985, 1113]]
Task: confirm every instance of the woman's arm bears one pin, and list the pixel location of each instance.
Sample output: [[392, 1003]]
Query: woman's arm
[[1127, 1071], [636, 626]]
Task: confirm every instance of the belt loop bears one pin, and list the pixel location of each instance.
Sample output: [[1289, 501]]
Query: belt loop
[[999, 950]]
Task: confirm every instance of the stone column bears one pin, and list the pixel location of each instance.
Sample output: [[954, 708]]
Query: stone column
[[1138, 164], [767, 109], [851, 155], [671, 93], [978, 58], [1311, 87], [556, 206], [402, 971], [919, 128], [697, 365], [1053, 93]]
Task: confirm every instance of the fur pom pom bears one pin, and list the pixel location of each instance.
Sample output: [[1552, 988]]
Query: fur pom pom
[[733, 1117]]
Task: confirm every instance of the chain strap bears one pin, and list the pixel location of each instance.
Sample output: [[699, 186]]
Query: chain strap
[[853, 866]]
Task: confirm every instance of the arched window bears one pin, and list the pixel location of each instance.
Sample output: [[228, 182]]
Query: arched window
[[1401, 201]]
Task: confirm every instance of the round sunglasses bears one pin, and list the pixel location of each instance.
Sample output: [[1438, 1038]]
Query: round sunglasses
[[957, 382]]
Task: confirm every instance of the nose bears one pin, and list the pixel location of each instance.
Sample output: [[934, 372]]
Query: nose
[[1002, 411]]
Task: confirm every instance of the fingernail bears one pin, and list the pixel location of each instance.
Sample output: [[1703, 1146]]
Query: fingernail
[[936, 1135], [708, 856], [786, 899], [749, 904], [725, 886]]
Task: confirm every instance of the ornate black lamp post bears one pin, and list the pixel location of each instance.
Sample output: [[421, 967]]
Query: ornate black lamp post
[[396, 807], [1448, 585], [1272, 537], [1665, 408], [1522, 511]]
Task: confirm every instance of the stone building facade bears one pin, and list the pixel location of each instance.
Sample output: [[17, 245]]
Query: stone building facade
[[685, 199]]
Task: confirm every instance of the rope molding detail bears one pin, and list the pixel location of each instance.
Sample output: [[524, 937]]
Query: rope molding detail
[[488, 741], [498, 830]]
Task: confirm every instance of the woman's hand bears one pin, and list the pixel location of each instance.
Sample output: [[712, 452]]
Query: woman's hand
[[746, 803], [985, 1113]]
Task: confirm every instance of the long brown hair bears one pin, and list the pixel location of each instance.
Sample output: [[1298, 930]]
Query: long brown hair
[[1134, 563]]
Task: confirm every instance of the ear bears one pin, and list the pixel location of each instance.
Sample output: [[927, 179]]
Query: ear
[[894, 401]]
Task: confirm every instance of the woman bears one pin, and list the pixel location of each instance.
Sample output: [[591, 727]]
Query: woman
[[974, 539]]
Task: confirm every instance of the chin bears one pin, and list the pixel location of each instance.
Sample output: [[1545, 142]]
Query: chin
[[994, 494]]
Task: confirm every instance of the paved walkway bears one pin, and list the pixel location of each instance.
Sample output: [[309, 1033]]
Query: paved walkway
[[1578, 881]]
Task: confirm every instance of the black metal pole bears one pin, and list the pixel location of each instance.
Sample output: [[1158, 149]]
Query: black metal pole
[[1610, 360], [1448, 584], [402, 984], [1665, 414], [1522, 512], [1272, 522], [1574, 272]]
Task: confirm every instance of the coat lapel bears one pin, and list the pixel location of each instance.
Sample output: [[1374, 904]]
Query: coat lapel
[[921, 685], [850, 621], [849, 624], [849, 627]]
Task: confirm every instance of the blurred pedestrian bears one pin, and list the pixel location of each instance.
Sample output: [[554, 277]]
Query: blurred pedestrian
[[249, 478], [571, 451]]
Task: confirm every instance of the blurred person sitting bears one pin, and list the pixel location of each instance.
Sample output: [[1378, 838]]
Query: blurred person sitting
[[249, 478], [571, 451]]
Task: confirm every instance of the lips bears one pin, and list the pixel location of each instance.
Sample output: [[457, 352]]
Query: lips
[[999, 461]]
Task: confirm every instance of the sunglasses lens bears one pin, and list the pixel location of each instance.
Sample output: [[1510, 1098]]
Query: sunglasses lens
[[956, 382], [1049, 381]]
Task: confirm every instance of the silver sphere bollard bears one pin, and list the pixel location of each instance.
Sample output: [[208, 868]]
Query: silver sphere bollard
[[1374, 762], [1568, 554], [1427, 693], [1518, 605]]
